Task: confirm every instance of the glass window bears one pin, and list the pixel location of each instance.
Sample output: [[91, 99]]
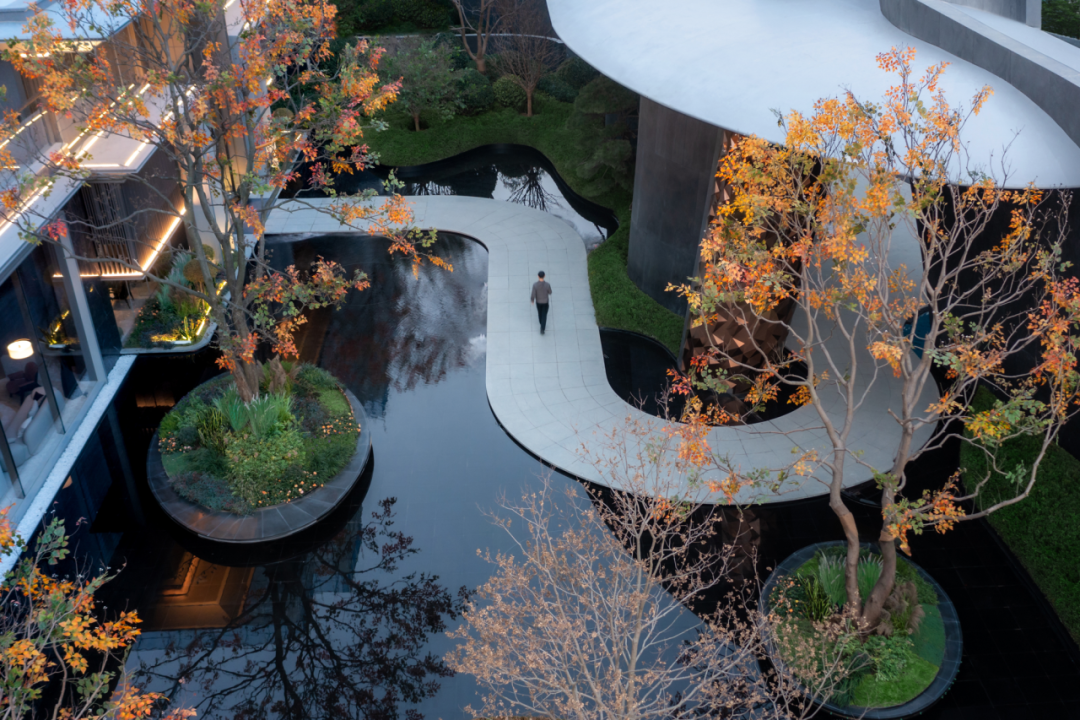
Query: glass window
[[27, 418], [46, 378]]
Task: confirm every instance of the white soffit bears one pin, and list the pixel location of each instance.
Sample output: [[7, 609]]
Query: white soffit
[[732, 62]]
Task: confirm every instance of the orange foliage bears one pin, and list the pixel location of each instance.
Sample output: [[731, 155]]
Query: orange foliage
[[55, 636]]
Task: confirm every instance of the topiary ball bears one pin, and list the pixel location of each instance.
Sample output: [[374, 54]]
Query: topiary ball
[[576, 73], [508, 93], [476, 92], [554, 86]]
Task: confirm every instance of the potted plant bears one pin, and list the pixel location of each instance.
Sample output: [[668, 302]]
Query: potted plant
[[896, 668], [54, 335], [228, 455]]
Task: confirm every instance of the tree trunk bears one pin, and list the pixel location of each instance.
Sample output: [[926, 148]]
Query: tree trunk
[[528, 103], [851, 532], [481, 65], [246, 376], [416, 121], [851, 562], [871, 612]]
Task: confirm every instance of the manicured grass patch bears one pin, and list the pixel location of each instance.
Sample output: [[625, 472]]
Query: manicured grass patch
[[224, 454], [871, 692], [1042, 529], [210, 491], [929, 640], [198, 460], [617, 301]]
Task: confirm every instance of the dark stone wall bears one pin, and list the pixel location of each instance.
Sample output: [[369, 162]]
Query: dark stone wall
[[673, 185]]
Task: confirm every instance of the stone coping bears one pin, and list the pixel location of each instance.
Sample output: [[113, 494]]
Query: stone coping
[[551, 393], [265, 524], [199, 344], [954, 643]]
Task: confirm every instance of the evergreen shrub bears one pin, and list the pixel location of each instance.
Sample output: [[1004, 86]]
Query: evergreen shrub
[[508, 93]]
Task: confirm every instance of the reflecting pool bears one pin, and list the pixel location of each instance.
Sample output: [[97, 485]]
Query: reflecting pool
[[346, 620]]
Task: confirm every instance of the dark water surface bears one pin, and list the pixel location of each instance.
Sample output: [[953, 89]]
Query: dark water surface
[[239, 625], [346, 621]]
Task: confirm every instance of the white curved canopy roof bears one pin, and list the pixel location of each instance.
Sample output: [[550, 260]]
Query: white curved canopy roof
[[732, 62]]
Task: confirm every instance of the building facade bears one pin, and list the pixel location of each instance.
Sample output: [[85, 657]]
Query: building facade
[[70, 312]]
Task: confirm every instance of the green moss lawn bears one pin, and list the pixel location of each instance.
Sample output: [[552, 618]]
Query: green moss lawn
[[618, 302], [1042, 530]]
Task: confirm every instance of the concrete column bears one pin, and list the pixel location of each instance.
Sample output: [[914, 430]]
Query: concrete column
[[673, 187], [80, 309]]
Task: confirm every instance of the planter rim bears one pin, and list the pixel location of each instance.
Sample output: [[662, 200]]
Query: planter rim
[[264, 524], [954, 644]]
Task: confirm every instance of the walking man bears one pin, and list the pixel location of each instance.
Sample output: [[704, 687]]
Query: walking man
[[541, 294]]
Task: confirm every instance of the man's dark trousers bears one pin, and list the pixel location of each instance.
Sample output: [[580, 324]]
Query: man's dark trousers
[[541, 310]]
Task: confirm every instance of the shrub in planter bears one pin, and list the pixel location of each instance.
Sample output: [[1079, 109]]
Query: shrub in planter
[[476, 92], [557, 88], [225, 454], [508, 93], [885, 666]]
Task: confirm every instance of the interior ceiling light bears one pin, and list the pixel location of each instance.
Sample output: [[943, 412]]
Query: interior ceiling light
[[20, 349]]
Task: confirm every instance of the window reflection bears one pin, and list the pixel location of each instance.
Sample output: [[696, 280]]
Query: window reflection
[[46, 377]]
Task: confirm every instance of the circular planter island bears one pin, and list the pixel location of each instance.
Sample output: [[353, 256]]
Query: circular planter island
[[933, 638], [211, 493]]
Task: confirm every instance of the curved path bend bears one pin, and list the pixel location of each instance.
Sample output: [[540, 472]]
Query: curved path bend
[[551, 393]]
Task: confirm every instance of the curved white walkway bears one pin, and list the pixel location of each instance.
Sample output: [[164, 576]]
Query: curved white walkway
[[551, 392]]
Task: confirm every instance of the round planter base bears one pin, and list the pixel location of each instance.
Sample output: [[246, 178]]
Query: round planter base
[[265, 524], [950, 664]]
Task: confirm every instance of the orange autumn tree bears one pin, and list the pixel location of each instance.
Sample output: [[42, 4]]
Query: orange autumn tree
[[902, 284], [59, 657], [243, 99]]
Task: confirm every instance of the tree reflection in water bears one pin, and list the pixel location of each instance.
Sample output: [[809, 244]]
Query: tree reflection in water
[[526, 187], [429, 187], [330, 634]]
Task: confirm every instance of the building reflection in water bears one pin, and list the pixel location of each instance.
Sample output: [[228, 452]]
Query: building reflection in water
[[197, 594], [334, 632], [321, 624]]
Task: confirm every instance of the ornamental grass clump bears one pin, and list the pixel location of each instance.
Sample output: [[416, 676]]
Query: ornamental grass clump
[[229, 455]]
